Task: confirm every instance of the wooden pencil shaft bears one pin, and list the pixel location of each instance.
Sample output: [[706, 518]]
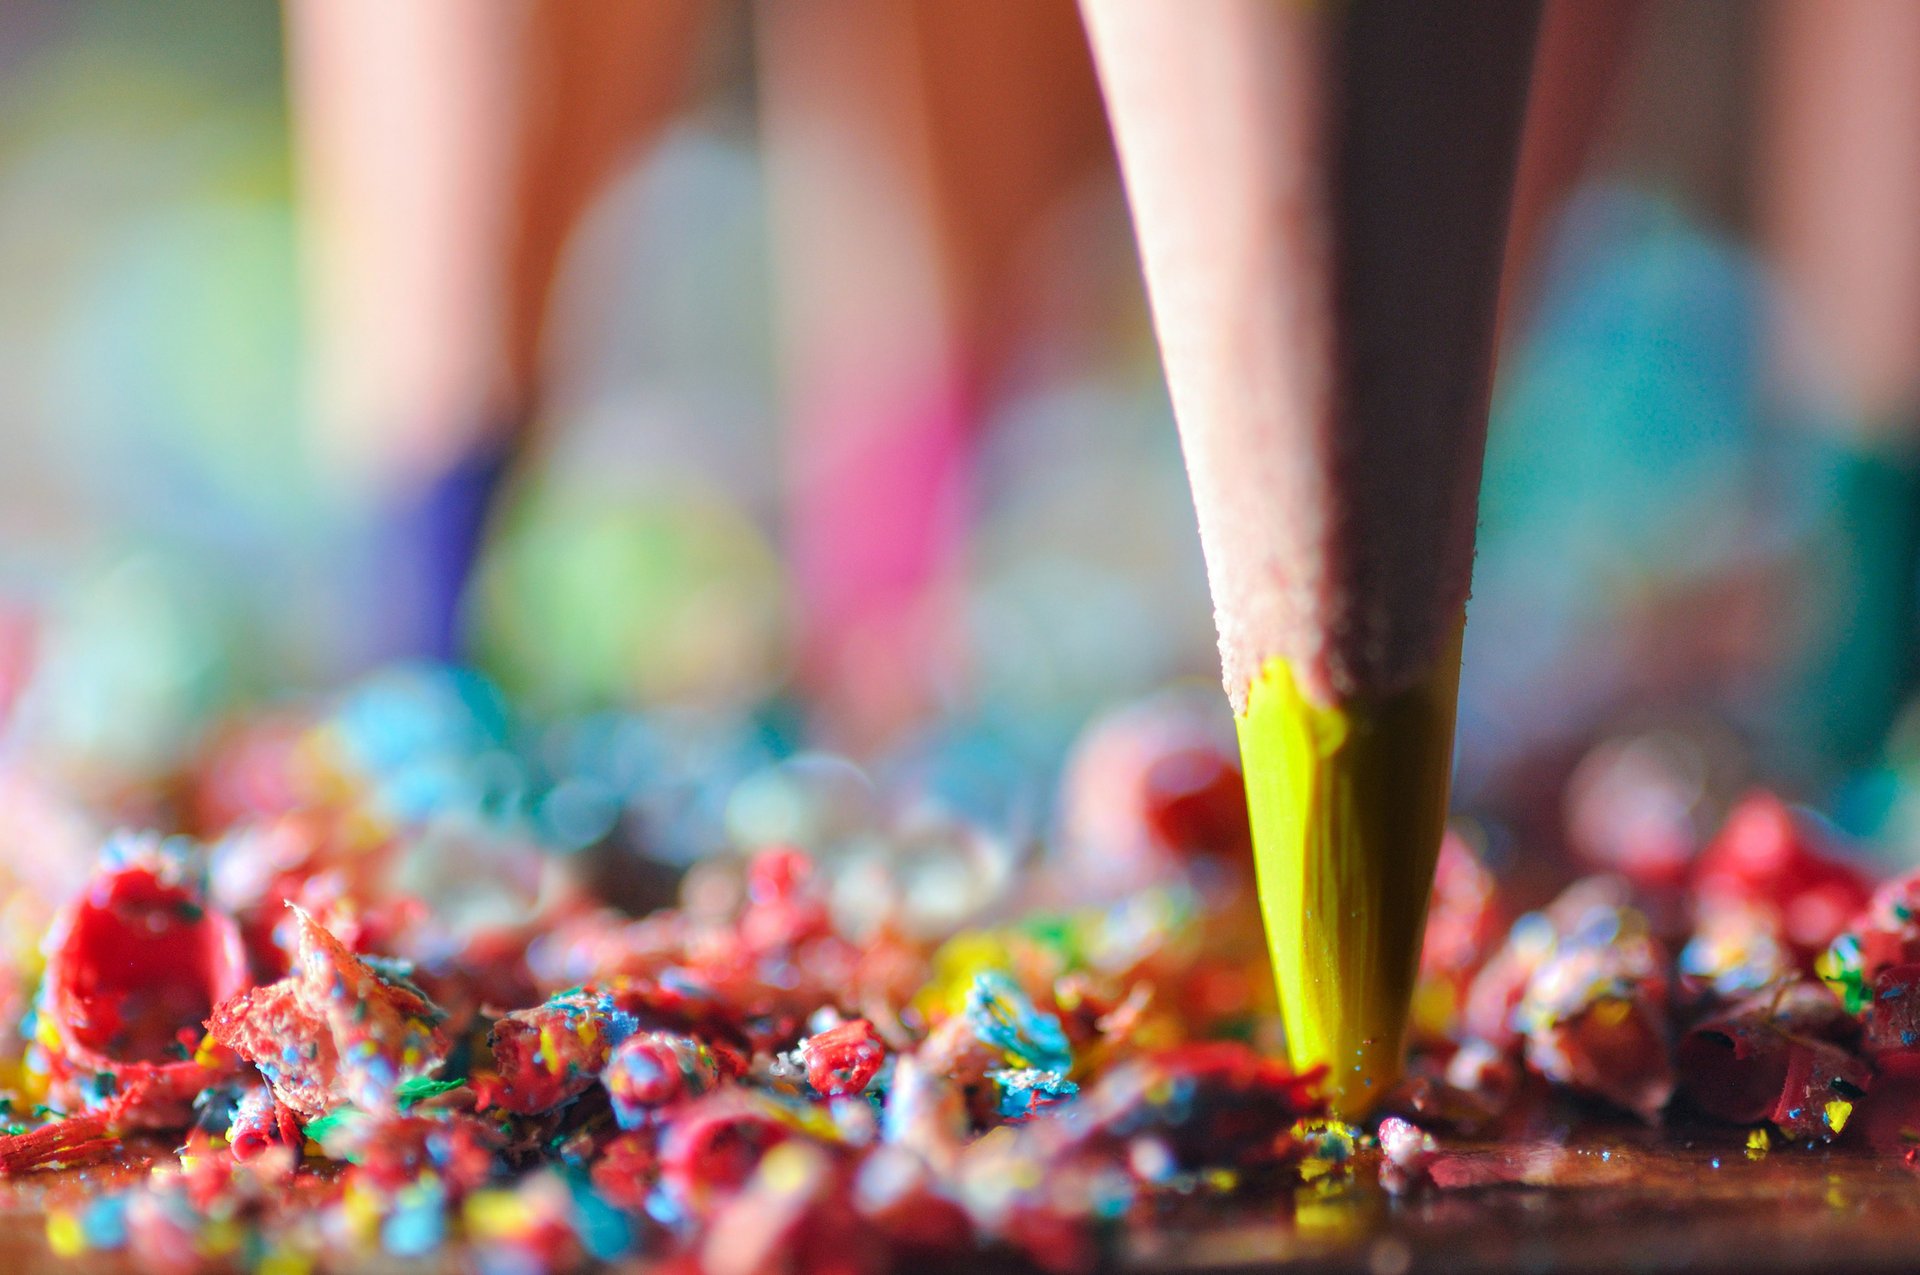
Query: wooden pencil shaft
[[1321, 196]]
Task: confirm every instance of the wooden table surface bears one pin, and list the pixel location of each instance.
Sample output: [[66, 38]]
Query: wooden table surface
[[1617, 1202], [1612, 1202]]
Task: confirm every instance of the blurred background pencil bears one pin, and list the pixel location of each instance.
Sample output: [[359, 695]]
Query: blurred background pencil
[[446, 153], [1583, 52], [914, 152], [1839, 212]]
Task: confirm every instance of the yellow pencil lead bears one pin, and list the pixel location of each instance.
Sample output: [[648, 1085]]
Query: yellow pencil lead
[[1349, 803]]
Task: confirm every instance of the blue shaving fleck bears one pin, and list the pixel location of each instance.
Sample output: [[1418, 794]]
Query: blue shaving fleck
[[603, 1230], [1003, 1018], [104, 1222], [417, 1227], [1027, 1091]]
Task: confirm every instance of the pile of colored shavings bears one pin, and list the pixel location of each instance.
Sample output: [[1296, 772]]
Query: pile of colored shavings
[[1767, 984], [361, 1004], [356, 1007]]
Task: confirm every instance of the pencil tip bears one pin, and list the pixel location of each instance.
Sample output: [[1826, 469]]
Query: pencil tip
[[1348, 803]]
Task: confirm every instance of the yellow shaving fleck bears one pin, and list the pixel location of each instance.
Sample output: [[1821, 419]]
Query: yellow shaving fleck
[[495, 1214], [284, 1261], [221, 1236], [1610, 1012], [362, 1210], [64, 1235], [791, 1167], [1837, 1112], [207, 1052]]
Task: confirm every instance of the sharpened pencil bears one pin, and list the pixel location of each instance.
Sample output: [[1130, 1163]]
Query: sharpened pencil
[[1321, 193]]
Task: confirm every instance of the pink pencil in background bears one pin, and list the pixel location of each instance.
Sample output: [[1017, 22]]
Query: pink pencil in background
[[912, 152]]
